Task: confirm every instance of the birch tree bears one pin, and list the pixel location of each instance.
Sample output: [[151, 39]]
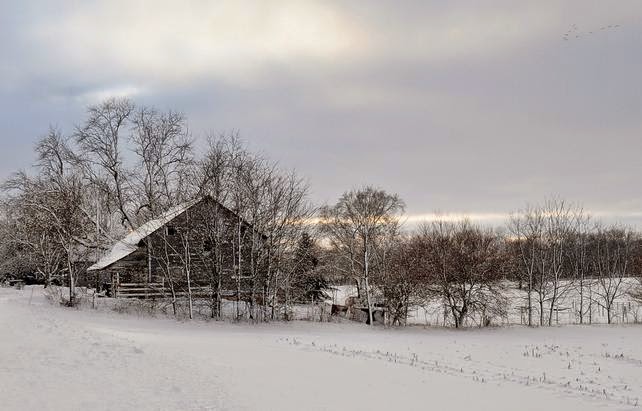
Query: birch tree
[[612, 252], [28, 232], [164, 154], [560, 226], [544, 236], [356, 224], [527, 231], [212, 177], [580, 263], [56, 197], [101, 139]]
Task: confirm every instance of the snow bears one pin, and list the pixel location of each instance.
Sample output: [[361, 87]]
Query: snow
[[56, 358], [124, 247], [625, 310]]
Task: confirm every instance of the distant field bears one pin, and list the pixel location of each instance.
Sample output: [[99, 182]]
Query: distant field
[[626, 309]]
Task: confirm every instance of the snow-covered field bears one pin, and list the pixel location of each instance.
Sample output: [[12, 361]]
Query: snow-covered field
[[54, 358], [625, 309]]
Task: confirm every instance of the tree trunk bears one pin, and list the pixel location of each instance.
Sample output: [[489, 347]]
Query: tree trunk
[[541, 312], [582, 298], [552, 307], [189, 280], [530, 305], [366, 281]]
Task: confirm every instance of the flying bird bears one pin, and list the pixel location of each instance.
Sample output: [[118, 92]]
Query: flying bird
[[574, 30]]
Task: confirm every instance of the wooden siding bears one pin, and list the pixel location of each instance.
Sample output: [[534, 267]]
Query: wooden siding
[[164, 250]]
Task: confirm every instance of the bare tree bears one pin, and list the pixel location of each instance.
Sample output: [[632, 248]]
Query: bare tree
[[164, 152], [612, 254], [636, 269], [213, 177], [269, 207], [100, 139], [544, 238], [186, 259], [53, 204], [403, 282], [580, 264], [356, 224], [559, 228], [527, 232], [464, 266], [28, 233]]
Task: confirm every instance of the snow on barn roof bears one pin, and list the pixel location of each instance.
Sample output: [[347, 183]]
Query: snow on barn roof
[[129, 244]]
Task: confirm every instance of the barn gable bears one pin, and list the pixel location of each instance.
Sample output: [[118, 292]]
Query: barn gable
[[128, 245]]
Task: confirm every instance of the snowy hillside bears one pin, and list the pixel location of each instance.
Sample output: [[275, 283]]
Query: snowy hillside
[[65, 359]]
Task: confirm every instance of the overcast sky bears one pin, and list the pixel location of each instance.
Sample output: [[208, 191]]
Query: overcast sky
[[459, 107]]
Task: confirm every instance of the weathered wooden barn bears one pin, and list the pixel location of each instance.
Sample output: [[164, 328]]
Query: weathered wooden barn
[[200, 246]]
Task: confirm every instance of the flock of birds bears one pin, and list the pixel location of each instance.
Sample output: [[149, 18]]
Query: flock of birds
[[574, 32]]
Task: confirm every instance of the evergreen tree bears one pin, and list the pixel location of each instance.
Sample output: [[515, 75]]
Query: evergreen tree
[[309, 283]]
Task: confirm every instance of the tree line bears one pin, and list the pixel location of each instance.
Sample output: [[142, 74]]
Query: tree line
[[125, 164], [547, 251]]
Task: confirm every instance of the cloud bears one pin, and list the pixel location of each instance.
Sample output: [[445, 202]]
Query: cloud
[[456, 106], [97, 94], [432, 33], [500, 219], [453, 217], [181, 41]]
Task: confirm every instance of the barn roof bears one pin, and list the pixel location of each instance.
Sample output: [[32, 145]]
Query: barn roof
[[124, 247]]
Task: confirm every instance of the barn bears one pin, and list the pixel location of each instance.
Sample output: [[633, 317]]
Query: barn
[[200, 247]]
